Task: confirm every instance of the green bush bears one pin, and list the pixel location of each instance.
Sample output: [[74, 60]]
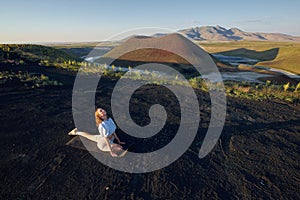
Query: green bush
[[286, 92], [27, 80]]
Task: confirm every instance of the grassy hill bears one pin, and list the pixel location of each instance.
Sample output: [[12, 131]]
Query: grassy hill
[[280, 55], [29, 54]]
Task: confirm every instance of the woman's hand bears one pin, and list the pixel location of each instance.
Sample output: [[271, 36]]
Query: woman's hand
[[117, 138]]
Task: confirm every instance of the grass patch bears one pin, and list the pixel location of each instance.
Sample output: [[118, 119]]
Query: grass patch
[[26, 79], [286, 92], [280, 55], [30, 54]]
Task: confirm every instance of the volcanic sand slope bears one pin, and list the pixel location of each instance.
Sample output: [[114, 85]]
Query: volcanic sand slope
[[256, 156], [280, 55]]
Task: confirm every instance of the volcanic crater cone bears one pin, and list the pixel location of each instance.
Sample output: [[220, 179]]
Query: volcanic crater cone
[[133, 52]]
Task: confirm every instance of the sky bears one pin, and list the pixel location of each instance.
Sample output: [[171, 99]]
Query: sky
[[33, 21]]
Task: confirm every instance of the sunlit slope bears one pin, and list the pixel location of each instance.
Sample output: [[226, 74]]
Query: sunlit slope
[[156, 55], [280, 55]]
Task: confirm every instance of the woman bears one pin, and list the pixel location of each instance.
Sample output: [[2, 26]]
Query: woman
[[106, 128]]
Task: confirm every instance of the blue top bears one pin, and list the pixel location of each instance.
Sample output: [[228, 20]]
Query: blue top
[[107, 127]]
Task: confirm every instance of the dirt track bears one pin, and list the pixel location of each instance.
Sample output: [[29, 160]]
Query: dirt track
[[256, 157]]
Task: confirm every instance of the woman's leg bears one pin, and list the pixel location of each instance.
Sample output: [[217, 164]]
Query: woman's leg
[[88, 136]]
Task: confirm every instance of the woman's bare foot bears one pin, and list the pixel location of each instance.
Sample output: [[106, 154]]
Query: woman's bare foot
[[113, 154], [73, 132]]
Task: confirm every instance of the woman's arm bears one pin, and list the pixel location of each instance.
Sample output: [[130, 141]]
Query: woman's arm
[[113, 154], [117, 138]]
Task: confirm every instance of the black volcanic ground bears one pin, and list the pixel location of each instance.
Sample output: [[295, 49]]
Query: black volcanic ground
[[257, 155]]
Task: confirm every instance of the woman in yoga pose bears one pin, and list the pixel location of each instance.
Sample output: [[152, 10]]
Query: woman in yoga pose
[[105, 139]]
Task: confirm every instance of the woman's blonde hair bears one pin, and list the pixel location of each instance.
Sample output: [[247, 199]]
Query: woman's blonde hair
[[97, 117]]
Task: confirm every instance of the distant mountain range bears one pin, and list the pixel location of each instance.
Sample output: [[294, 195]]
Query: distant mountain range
[[218, 33]]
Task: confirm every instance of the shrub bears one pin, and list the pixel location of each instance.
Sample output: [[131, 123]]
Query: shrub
[[286, 86], [26, 79], [297, 87]]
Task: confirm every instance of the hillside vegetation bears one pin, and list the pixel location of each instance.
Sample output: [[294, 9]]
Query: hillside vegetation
[[32, 54], [280, 55]]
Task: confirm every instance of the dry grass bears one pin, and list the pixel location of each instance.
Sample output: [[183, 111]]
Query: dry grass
[[286, 53]]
